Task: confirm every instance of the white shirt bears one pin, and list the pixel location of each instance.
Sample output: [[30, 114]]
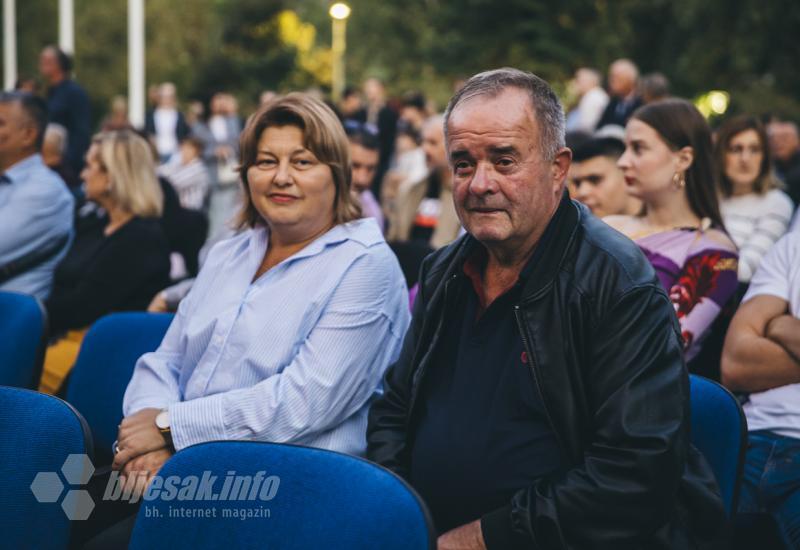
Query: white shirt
[[778, 409], [755, 222], [296, 356], [589, 110], [166, 123]]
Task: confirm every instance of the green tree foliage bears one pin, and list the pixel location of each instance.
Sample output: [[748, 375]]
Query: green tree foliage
[[747, 47]]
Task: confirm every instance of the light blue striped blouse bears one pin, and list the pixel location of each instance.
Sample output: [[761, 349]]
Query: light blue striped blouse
[[296, 356]]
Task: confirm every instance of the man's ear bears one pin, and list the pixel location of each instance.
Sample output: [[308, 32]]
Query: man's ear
[[29, 135], [560, 166]]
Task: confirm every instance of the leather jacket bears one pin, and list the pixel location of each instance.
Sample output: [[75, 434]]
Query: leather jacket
[[605, 355]]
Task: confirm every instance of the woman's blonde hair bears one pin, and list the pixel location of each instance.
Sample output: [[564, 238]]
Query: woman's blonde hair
[[128, 160], [323, 135]]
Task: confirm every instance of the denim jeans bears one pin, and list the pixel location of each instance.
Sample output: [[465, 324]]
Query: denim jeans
[[771, 482]]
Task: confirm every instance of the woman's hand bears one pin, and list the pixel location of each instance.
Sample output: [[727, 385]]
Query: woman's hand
[[138, 435], [138, 473]]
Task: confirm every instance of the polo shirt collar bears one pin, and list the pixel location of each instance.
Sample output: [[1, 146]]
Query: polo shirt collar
[[17, 170]]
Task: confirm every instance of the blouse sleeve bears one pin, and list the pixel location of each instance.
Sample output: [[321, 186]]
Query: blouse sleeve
[[334, 373], [706, 283]]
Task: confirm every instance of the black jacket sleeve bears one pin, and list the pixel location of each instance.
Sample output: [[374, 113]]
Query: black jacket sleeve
[[388, 415]]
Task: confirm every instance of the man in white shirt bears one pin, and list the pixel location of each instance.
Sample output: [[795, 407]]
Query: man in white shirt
[[592, 101], [166, 125], [762, 357]]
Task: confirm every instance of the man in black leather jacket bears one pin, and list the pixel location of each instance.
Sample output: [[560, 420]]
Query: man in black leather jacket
[[582, 440]]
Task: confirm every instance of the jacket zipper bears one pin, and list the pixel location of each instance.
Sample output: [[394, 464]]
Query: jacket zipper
[[532, 367]]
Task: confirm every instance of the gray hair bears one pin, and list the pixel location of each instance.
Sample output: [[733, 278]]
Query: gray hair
[[58, 136], [547, 108]]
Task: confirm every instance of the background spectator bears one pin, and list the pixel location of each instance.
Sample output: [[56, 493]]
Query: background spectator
[[591, 101], [188, 174], [755, 212], [423, 210], [623, 78], [385, 119], [784, 142], [54, 148], [596, 180], [67, 103], [762, 358], [35, 205], [653, 86], [364, 159], [117, 264], [165, 124], [668, 165]]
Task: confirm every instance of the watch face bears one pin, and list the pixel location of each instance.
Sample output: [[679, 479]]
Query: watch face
[[162, 420]]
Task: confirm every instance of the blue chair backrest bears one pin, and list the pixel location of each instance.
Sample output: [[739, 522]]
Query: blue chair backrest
[[320, 499], [719, 431], [104, 367], [23, 339], [38, 433]]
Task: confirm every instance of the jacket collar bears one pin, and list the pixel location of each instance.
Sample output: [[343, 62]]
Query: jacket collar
[[561, 228]]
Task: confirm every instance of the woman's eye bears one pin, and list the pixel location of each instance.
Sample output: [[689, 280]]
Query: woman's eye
[[303, 162], [265, 163]]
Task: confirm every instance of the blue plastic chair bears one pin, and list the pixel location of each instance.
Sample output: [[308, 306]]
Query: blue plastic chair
[[105, 363], [23, 339], [719, 431], [320, 499], [38, 433]]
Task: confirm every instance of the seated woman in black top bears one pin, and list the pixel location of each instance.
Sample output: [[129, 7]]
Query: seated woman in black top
[[115, 265]]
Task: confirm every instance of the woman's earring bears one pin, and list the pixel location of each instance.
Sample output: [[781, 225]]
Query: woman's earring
[[678, 180]]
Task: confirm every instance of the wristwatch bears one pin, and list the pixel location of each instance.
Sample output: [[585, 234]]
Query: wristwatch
[[162, 423]]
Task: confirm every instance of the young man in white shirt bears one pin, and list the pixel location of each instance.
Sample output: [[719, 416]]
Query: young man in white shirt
[[762, 357]]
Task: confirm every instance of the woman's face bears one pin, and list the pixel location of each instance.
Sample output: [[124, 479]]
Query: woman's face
[[290, 188], [648, 164], [95, 179], [743, 158]]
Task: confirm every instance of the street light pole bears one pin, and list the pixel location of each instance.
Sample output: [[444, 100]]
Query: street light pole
[[9, 44], [136, 66], [66, 26], [339, 13]]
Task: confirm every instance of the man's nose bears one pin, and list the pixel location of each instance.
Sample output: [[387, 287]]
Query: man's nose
[[482, 180]]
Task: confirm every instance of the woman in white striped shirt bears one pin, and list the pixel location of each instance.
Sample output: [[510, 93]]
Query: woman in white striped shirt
[[756, 213], [286, 333]]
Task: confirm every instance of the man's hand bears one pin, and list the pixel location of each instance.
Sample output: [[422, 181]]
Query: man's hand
[[138, 472], [785, 331], [466, 537], [137, 436]]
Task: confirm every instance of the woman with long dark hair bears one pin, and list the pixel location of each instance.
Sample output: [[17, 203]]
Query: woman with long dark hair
[[668, 166]]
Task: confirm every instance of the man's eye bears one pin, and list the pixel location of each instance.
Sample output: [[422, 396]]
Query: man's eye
[[462, 167], [505, 162]]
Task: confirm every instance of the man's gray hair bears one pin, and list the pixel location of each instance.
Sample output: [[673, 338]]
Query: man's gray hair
[[548, 111], [58, 136]]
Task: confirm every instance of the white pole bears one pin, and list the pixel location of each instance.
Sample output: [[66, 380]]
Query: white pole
[[9, 44], [136, 82], [66, 26]]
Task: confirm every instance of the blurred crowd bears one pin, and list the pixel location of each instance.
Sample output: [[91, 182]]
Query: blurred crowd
[[103, 217]]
